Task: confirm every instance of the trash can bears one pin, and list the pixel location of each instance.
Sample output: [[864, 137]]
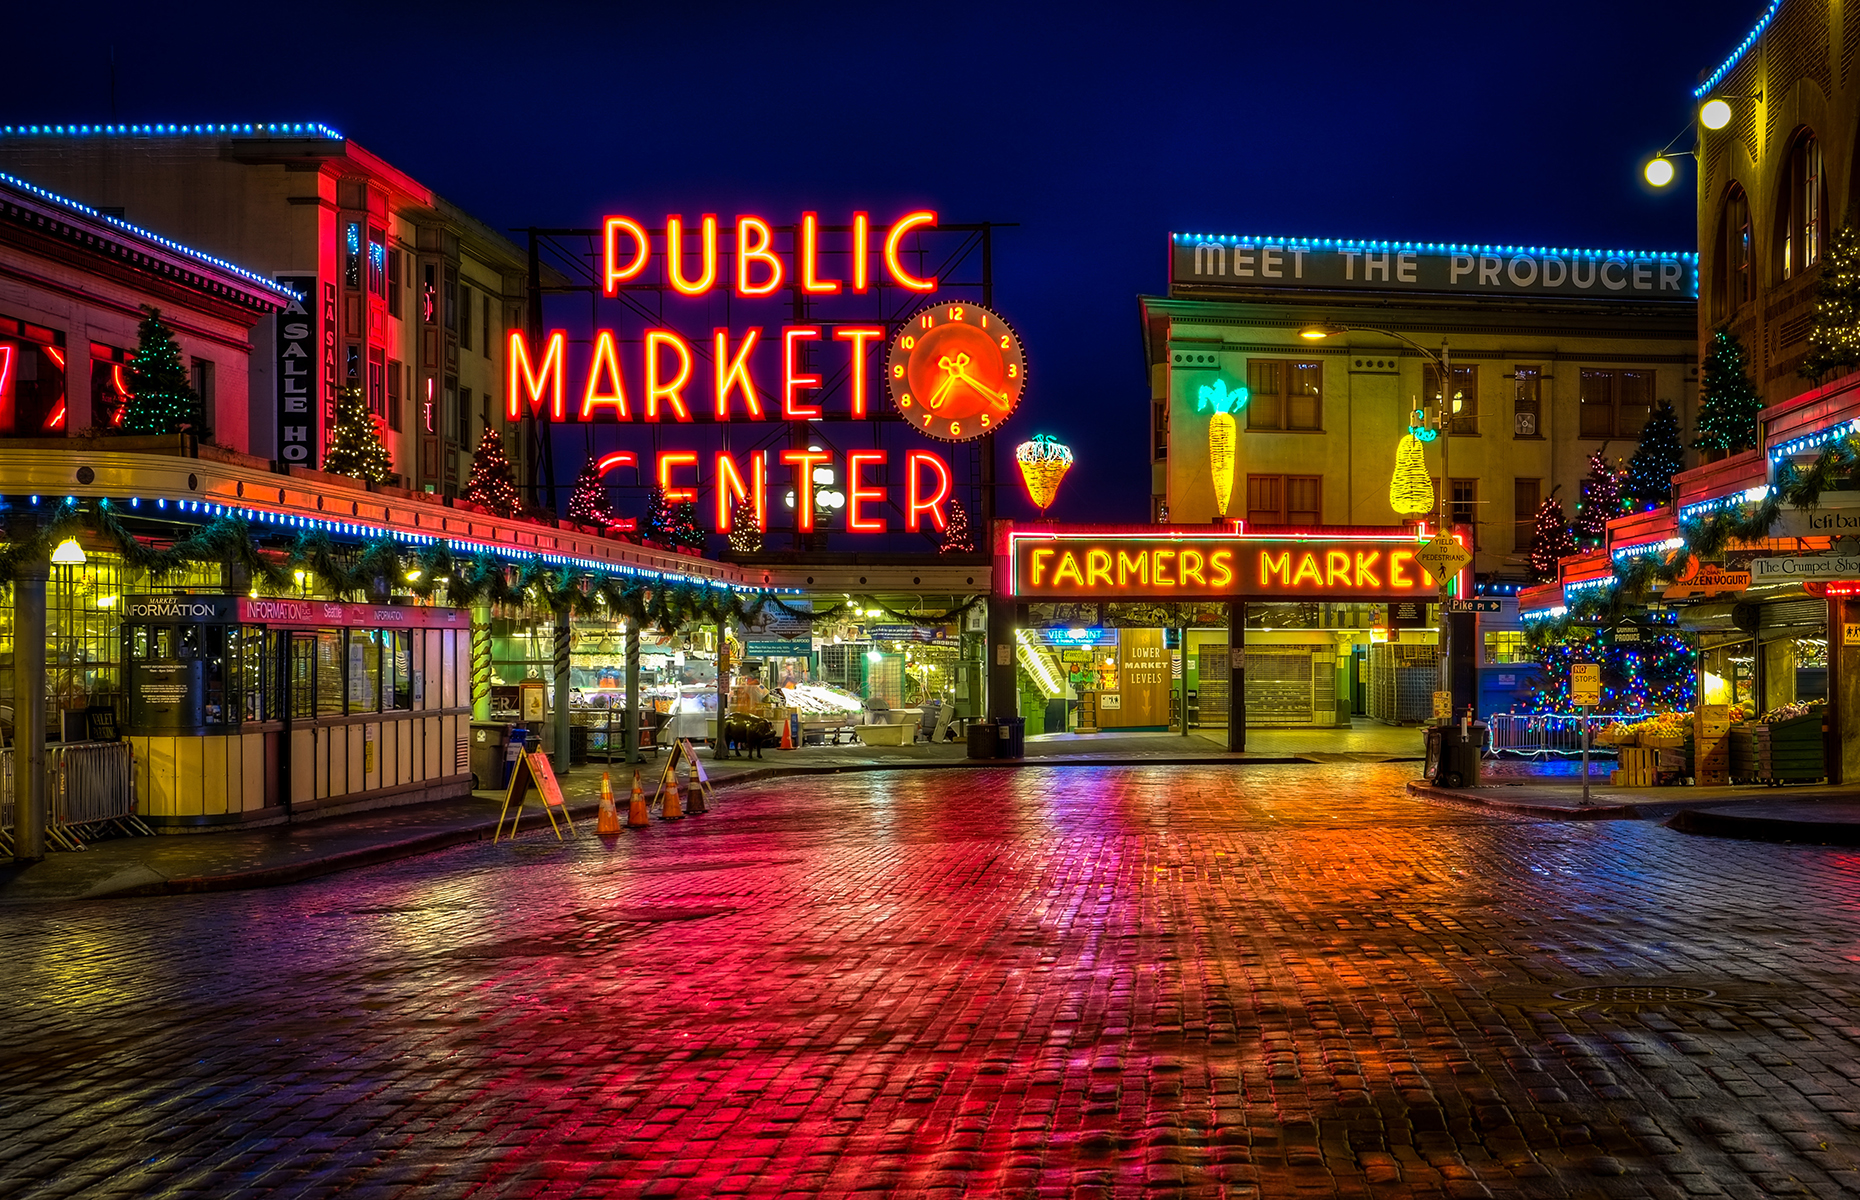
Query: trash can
[[982, 738], [1011, 737], [1453, 758], [488, 739], [519, 741]]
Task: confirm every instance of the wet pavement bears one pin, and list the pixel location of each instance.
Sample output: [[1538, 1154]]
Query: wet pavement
[[1232, 980]]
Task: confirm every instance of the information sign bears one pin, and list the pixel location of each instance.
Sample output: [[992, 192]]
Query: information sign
[[1443, 706]]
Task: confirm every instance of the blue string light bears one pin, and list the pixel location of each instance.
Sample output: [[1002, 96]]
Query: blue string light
[[1743, 47], [300, 129]]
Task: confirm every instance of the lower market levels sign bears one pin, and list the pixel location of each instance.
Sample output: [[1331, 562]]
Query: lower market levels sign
[[1147, 564]]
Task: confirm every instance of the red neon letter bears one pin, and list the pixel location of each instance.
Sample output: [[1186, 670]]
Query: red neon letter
[[606, 386], [734, 373], [619, 458], [810, 258], [791, 382], [804, 461], [858, 335], [915, 502], [862, 236], [670, 460], [611, 276], [532, 382], [674, 256], [895, 239], [752, 245], [673, 391], [856, 460], [730, 487]]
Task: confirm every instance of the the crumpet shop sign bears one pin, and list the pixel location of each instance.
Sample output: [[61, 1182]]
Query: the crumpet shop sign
[[1817, 567], [1233, 566]]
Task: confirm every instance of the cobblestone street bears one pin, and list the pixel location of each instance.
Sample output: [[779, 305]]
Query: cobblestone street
[[1133, 981]]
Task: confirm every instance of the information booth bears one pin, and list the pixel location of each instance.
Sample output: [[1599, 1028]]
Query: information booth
[[241, 709]]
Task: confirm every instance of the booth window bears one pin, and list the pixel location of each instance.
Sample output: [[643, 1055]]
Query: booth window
[[252, 673], [1802, 202], [352, 255], [329, 682], [364, 666], [1285, 396], [1733, 286], [1614, 404]]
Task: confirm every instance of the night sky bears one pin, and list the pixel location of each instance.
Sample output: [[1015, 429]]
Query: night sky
[[1097, 128]]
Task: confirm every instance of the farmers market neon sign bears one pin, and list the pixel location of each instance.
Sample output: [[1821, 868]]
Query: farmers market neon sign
[[1114, 566]]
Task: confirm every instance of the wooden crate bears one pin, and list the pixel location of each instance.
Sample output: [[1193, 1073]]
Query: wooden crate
[[1639, 767]]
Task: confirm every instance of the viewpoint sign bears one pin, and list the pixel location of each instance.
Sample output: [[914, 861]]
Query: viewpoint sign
[[1337, 264]]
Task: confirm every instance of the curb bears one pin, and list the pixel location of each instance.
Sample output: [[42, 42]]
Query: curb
[[1712, 823], [1594, 812]]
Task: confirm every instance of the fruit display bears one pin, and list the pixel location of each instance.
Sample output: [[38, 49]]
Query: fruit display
[[815, 700]]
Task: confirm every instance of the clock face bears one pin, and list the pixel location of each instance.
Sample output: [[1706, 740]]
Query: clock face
[[956, 371]]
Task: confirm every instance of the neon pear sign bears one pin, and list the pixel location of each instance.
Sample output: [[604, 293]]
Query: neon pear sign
[[759, 373]]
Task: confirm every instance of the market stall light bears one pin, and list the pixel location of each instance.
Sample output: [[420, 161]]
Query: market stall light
[[68, 554]]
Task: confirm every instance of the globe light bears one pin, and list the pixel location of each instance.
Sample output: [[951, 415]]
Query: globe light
[[1714, 114], [1659, 171]]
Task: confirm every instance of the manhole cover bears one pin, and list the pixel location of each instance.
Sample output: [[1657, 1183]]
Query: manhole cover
[[1635, 994]]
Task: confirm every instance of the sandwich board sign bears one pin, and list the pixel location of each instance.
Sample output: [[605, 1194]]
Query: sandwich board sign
[[533, 772]]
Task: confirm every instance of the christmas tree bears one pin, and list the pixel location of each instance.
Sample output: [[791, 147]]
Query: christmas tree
[[745, 537], [1834, 339], [355, 446], [492, 484], [161, 399], [1600, 503], [588, 504], [685, 530], [1656, 674], [956, 537], [658, 523], [1728, 401], [1550, 540], [1649, 481]]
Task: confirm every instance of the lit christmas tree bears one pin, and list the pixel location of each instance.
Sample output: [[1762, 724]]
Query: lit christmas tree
[[685, 530], [1550, 540], [745, 537], [1600, 503], [588, 504], [956, 538], [1649, 480], [657, 526], [1657, 674], [493, 484], [161, 398], [1728, 401], [1834, 339], [355, 446]]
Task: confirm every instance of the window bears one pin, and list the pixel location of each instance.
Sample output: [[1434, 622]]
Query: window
[[394, 395], [377, 262], [449, 417], [486, 340], [109, 385], [1504, 646], [328, 677], [352, 255], [1465, 508], [364, 670], [452, 299], [352, 369], [1801, 203], [1465, 395], [202, 379], [1614, 404], [397, 669], [1527, 398], [377, 383], [429, 293], [32, 380], [464, 316], [1285, 395], [1159, 429], [1526, 495], [1284, 499], [394, 283], [1733, 286], [464, 411]]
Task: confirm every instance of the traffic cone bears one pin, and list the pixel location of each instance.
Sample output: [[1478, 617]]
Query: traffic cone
[[694, 798], [636, 815], [787, 740], [609, 820], [674, 809]]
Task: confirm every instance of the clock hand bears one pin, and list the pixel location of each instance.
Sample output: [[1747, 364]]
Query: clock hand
[[998, 399], [951, 373]]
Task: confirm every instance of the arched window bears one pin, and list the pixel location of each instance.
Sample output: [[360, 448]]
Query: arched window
[[1733, 286], [1802, 205]]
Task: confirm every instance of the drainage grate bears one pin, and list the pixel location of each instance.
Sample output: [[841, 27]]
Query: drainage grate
[[1635, 994]]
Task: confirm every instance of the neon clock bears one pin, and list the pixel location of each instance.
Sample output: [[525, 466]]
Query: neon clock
[[956, 371]]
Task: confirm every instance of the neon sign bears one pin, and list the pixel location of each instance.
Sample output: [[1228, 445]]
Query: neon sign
[[1232, 566]]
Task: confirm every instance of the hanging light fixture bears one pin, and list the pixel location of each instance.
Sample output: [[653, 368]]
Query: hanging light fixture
[[1044, 462], [68, 553]]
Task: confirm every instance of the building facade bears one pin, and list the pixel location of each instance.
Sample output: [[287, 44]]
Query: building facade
[[406, 296]]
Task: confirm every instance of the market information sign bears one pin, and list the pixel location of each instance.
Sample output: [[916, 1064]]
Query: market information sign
[[1821, 568], [1444, 559], [1132, 567], [299, 347], [1585, 684], [1199, 261]]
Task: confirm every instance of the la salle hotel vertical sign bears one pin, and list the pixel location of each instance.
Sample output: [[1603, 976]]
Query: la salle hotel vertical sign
[[299, 348]]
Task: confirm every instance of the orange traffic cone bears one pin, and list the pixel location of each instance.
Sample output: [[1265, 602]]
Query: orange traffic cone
[[694, 797], [787, 740], [609, 820], [636, 815], [673, 810]]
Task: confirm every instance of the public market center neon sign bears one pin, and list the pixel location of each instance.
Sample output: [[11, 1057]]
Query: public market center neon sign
[[661, 379]]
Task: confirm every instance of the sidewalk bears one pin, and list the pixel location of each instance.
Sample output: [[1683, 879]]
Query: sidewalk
[[1813, 813], [244, 858]]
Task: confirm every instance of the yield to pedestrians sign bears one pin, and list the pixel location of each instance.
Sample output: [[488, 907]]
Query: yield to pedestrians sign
[[1444, 559]]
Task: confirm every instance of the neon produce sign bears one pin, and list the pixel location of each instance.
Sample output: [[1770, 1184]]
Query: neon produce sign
[[758, 373]]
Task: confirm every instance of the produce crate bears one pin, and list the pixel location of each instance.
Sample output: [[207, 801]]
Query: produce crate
[[1638, 768], [1662, 742]]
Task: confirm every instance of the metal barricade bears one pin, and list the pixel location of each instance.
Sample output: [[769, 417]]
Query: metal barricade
[[91, 788], [1529, 735]]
